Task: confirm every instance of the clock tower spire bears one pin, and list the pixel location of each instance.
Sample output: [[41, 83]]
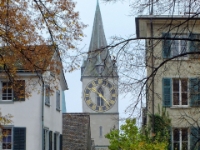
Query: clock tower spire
[[100, 85]]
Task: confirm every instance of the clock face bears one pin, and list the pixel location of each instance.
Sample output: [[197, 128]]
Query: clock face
[[100, 95]]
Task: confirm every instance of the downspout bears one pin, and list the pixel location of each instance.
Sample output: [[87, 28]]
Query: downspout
[[152, 66], [42, 115]]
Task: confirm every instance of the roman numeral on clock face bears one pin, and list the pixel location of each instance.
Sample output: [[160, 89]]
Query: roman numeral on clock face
[[112, 102], [89, 102]]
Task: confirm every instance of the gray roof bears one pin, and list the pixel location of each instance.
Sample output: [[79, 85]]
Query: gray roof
[[98, 53]]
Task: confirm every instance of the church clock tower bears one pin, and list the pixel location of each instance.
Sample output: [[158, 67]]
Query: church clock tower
[[100, 86]]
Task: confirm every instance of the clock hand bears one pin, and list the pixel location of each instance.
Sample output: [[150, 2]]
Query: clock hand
[[100, 95]]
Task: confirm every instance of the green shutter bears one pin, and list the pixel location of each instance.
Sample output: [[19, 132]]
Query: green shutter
[[19, 139], [194, 138], [50, 140], [61, 142], [194, 92], [166, 52], [167, 92]]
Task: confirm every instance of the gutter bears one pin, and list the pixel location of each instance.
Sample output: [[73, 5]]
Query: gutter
[[42, 115]]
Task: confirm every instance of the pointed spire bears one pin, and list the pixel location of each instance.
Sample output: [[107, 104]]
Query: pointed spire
[[98, 62], [98, 39]]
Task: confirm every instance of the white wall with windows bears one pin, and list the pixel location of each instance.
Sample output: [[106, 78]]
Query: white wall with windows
[[27, 115]]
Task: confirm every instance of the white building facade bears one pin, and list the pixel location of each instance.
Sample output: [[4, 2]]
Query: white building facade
[[37, 119]]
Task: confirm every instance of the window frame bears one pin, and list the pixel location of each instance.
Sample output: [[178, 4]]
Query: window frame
[[2, 86], [47, 94], [58, 100], [16, 95], [180, 92], [6, 128], [180, 142], [100, 131], [179, 35], [46, 132]]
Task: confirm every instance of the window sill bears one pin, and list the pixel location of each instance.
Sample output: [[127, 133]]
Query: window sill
[[6, 102], [180, 107], [47, 104], [180, 58], [58, 109]]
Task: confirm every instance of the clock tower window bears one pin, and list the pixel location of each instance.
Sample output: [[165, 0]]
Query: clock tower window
[[100, 101], [100, 131]]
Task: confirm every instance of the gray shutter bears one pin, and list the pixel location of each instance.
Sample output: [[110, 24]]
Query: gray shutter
[[194, 138], [19, 92], [19, 139], [167, 92], [55, 142], [194, 92], [61, 142], [166, 52], [50, 140]]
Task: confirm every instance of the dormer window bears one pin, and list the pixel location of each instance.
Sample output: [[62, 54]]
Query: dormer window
[[100, 68]]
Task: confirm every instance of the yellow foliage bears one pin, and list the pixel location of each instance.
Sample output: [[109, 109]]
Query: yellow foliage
[[24, 47]]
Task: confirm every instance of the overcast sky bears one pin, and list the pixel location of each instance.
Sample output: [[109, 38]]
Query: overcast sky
[[117, 22]]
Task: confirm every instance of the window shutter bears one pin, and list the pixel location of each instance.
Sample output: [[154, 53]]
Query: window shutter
[[194, 92], [50, 140], [44, 135], [167, 92], [194, 46], [166, 45], [55, 141], [19, 139], [61, 142], [194, 138], [170, 139], [192, 43], [19, 91]]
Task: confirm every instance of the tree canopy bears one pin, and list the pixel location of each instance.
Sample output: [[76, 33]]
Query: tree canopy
[[31, 31], [129, 137]]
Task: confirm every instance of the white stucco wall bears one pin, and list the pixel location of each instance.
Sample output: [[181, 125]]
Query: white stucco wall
[[28, 114], [107, 122]]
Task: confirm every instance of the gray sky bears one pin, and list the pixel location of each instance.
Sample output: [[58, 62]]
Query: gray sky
[[117, 22]]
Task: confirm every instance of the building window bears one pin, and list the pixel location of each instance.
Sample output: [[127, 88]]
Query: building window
[[14, 92], [47, 94], [180, 91], [172, 47], [7, 91], [100, 131], [58, 100], [180, 139], [179, 46], [46, 139], [7, 139], [16, 135], [100, 101], [56, 141]]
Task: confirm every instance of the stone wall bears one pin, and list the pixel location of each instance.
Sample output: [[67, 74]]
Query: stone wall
[[76, 131]]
